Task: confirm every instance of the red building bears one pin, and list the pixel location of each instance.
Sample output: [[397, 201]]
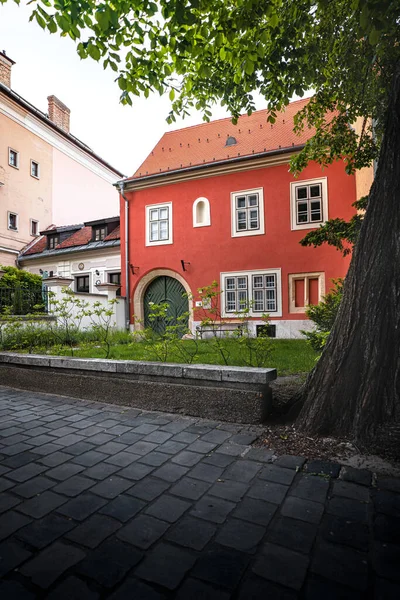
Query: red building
[[217, 202]]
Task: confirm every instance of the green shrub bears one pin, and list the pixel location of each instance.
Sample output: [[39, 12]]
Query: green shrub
[[324, 315]]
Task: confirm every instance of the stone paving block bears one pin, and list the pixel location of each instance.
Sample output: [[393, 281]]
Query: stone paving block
[[10, 522], [80, 449], [197, 590], [157, 437], [350, 490], [40, 440], [186, 458], [241, 535], [10, 431], [133, 588], [388, 483], [189, 488], [255, 511], [242, 470], [175, 426], [212, 509], [130, 438], [70, 440], [93, 531], [216, 436], [292, 533], [51, 563], [145, 429], [19, 460], [310, 487], [202, 447], [268, 491], [304, 510], [62, 431], [229, 489], [154, 459], [89, 459], [136, 471], [119, 430], [148, 489], [6, 484], [386, 560], [221, 566], [111, 487], [101, 470], [277, 474], [141, 448], [143, 531], [315, 589], [191, 533], [348, 509], [11, 556], [170, 447], [74, 485], [121, 459], [232, 449], [3, 470], [8, 501], [256, 588], [184, 437], [218, 460], [386, 528], [47, 449], [329, 468], [16, 448], [82, 507], [359, 476], [43, 532], [387, 503], [343, 531], [55, 459], [166, 565], [341, 565], [281, 565], [386, 590], [34, 486], [72, 588], [14, 439], [65, 471], [168, 508], [15, 591], [170, 472], [260, 455], [123, 508], [41, 505], [206, 472], [245, 439], [99, 439]]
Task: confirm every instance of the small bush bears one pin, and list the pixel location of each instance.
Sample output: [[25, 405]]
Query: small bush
[[324, 315]]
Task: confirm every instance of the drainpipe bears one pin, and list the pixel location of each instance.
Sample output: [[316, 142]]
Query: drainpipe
[[127, 282]]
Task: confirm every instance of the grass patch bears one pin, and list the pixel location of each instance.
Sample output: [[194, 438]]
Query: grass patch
[[289, 357]]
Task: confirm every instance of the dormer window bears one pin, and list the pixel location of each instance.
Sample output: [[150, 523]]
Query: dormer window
[[230, 141], [53, 241], [99, 233]]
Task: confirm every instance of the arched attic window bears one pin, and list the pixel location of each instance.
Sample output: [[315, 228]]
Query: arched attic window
[[201, 213]]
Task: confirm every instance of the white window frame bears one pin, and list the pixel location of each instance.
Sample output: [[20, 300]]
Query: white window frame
[[247, 232], [9, 213], [293, 277], [31, 227], [151, 207], [9, 161], [323, 181], [38, 169], [250, 275], [207, 218]]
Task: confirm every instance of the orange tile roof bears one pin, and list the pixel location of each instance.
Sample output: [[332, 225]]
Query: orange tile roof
[[79, 238], [206, 143], [39, 245], [114, 235]]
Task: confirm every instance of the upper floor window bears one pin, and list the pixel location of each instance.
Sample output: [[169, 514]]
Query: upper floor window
[[309, 203], [53, 241], [35, 171], [13, 158], [201, 213], [257, 291], [13, 221], [247, 209], [99, 233], [34, 227], [159, 224]]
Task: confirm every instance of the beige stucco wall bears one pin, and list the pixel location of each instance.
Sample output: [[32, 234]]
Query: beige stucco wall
[[28, 197]]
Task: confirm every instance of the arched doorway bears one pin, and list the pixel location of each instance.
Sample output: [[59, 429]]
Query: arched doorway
[[171, 291]]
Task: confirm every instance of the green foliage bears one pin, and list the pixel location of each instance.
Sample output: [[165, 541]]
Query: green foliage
[[21, 292], [223, 51], [14, 277], [324, 315]]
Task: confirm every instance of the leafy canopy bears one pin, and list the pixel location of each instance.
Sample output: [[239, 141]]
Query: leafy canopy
[[207, 51]]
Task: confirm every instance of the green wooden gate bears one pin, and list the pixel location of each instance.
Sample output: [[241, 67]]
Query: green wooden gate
[[165, 289]]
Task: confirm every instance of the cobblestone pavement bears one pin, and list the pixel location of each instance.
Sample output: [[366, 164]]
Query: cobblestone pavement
[[98, 501]]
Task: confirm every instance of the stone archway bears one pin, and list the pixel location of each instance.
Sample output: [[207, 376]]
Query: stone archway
[[140, 290]]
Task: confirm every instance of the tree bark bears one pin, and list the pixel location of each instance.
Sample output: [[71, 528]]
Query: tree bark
[[354, 390]]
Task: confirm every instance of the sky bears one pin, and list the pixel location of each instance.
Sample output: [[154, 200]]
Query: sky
[[47, 64]]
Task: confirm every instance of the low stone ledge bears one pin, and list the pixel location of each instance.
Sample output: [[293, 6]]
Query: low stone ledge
[[237, 394]]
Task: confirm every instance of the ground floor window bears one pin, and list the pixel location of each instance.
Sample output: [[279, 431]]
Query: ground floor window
[[115, 278], [260, 291], [82, 284]]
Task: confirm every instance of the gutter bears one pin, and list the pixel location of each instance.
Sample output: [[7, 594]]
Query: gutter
[[121, 186]]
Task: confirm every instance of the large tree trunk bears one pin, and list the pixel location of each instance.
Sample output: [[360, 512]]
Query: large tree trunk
[[354, 389]]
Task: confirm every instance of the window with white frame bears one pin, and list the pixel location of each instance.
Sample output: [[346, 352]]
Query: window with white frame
[[309, 203], [13, 158], [247, 209], [12, 221], [159, 224], [35, 171], [34, 227], [259, 291], [305, 289]]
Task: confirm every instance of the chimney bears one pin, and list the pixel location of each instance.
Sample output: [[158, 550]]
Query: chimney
[[58, 113], [5, 69]]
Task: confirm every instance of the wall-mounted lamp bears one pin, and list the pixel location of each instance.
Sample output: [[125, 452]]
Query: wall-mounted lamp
[[97, 272], [41, 271], [184, 264], [134, 269]]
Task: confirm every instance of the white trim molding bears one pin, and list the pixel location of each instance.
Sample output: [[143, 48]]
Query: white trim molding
[[259, 207], [248, 291], [322, 199], [158, 207]]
